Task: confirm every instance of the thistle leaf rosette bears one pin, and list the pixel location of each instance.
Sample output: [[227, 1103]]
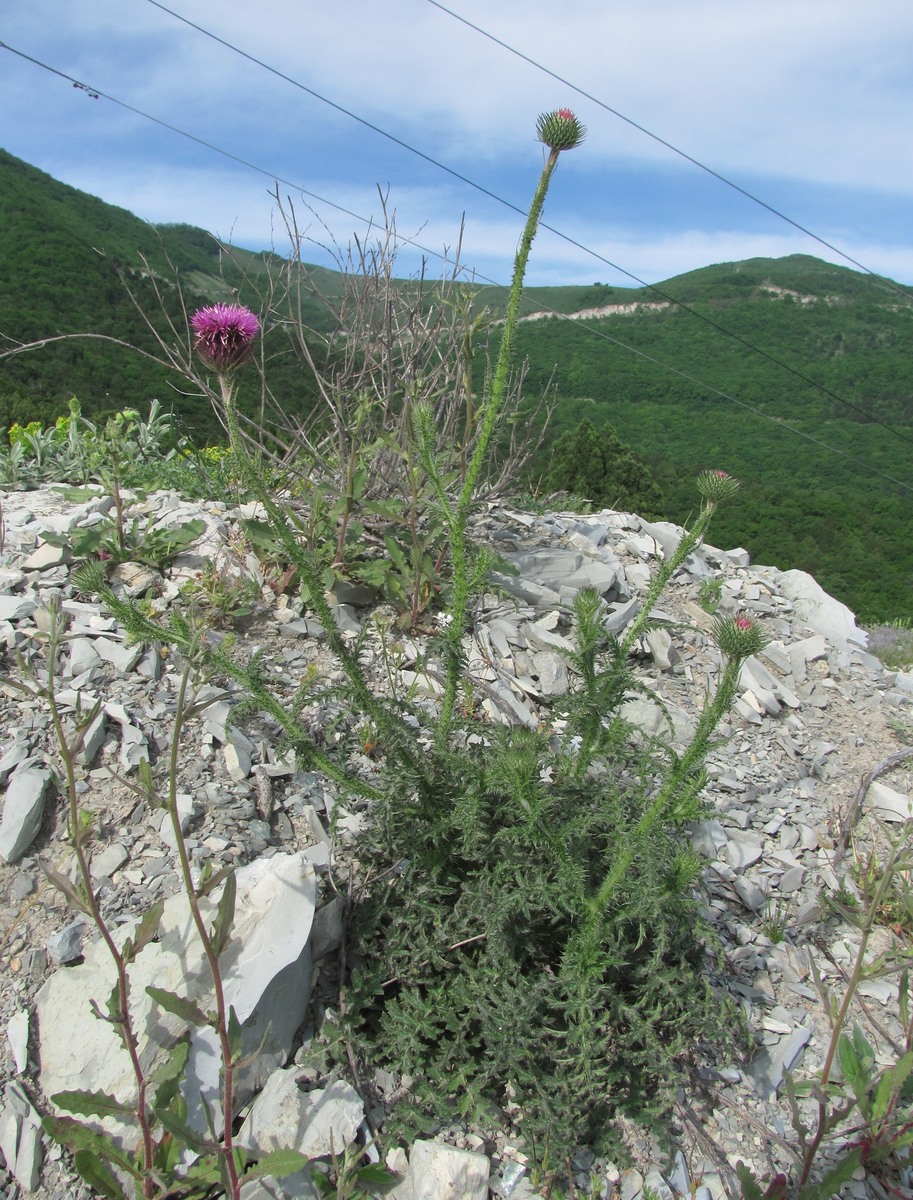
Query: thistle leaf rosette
[[716, 486], [224, 335], [560, 130], [739, 637]]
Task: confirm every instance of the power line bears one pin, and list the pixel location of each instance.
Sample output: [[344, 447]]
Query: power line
[[543, 225], [668, 145], [340, 108], [96, 93]]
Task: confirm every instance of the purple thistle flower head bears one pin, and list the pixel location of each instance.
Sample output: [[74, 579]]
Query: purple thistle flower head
[[224, 334]]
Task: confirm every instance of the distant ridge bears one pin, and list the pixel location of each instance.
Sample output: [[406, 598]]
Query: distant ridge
[[823, 510]]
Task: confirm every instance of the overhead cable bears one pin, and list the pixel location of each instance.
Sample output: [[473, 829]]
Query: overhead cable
[[97, 93], [542, 225], [669, 146]]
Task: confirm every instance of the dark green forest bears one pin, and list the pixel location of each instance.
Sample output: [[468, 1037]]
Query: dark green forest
[[680, 393], [69, 265], [812, 496]]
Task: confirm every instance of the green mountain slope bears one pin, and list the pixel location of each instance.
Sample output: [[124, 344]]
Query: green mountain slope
[[813, 496], [676, 388], [67, 259]]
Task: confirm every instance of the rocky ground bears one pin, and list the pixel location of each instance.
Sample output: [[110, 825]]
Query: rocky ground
[[817, 716]]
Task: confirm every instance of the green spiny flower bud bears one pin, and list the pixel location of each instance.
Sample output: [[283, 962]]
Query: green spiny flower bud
[[739, 637], [716, 486], [560, 130]]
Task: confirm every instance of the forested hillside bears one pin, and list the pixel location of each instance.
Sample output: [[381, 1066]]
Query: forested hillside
[[813, 496], [67, 261], [826, 488]]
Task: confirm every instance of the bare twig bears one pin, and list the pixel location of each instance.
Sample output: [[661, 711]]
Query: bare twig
[[849, 822]]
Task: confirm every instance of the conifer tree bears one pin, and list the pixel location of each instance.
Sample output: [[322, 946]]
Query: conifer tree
[[598, 466]]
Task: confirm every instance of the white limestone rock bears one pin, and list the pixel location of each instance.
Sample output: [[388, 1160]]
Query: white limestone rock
[[187, 810], [123, 658], [237, 761], [551, 672], [93, 739], [17, 608], [133, 580], [109, 860], [659, 644], [768, 1067], [266, 971], [647, 715], [772, 692], [133, 744], [15, 754], [888, 804], [822, 612], [65, 946], [439, 1172], [743, 852], [17, 1034], [20, 1137], [327, 932], [317, 1123], [23, 809], [46, 556]]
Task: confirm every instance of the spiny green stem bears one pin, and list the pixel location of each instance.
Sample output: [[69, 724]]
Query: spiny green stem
[[146, 630], [458, 516], [657, 810], [690, 540]]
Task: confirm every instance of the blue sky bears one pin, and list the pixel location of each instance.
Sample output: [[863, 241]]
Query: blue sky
[[805, 103]]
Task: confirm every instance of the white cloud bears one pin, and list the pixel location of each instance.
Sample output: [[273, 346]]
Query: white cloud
[[810, 93]]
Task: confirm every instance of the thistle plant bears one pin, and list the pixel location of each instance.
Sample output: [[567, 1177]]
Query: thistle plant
[[531, 902], [224, 336]]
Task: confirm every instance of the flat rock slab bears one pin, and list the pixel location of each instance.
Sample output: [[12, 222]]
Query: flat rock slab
[[439, 1172], [266, 977], [20, 1136], [888, 804], [317, 1123], [23, 809]]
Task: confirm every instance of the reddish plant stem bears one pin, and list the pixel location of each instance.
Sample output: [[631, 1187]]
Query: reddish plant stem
[[221, 1022], [68, 755]]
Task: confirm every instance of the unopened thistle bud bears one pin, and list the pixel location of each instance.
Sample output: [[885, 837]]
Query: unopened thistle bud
[[716, 486], [224, 335], [560, 130], [739, 637]]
